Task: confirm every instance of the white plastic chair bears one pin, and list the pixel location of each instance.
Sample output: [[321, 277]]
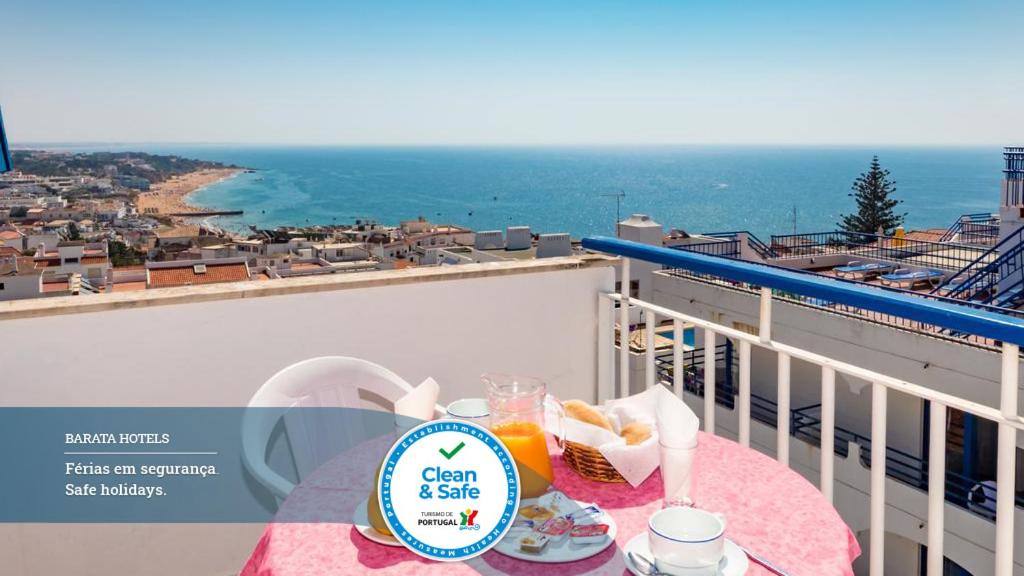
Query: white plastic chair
[[324, 382]]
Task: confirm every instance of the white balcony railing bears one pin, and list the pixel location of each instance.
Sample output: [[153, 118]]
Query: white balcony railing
[[1006, 330]]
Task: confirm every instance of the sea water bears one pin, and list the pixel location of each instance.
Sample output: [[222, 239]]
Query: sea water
[[762, 189]]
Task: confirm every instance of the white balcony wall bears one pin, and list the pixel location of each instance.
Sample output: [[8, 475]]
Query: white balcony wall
[[215, 345]]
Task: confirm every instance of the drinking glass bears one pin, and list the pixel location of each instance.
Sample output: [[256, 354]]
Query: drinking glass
[[677, 474], [517, 405], [473, 410]]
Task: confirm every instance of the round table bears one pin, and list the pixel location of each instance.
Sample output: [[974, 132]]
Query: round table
[[769, 509]]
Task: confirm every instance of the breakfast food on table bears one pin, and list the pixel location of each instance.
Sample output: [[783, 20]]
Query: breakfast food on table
[[570, 530], [556, 528], [533, 543], [539, 514], [373, 509], [580, 410], [588, 533], [635, 432], [526, 442]]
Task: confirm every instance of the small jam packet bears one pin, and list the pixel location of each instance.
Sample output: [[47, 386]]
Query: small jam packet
[[557, 501], [589, 533], [533, 543], [590, 514], [556, 528], [535, 512]]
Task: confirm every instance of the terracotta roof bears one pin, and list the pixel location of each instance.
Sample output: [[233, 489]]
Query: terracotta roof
[[931, 235], [94, 259], [10, 235], [47, 262], [186, 275], [9, 251], [128, 286], [54, 287]]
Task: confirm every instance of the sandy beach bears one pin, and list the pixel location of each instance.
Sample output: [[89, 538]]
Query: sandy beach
[[171, 197]]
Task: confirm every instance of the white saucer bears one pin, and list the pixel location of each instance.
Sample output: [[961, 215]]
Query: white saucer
[[734, 563], [361, 520], [556, 552]]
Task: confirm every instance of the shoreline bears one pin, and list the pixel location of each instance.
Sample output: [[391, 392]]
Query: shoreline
[[172, 196]]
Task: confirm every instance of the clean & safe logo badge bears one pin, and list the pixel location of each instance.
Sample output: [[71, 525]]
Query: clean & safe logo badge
[[449, 490]]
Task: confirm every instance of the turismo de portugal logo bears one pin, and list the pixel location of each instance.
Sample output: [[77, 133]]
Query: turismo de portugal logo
[[449, 490]]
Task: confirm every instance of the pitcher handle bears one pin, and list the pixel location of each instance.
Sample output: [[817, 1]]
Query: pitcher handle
[[550, 400]]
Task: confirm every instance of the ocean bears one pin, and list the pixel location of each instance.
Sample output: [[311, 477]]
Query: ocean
[[766, 190]]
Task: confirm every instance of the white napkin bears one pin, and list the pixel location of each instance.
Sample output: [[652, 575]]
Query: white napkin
[[418, 404], [636, 462], [677, 424]]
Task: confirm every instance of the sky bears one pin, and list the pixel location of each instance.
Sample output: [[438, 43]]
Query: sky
[[379, 72]]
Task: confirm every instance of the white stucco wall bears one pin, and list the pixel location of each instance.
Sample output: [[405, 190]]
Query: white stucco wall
[[540, 321]]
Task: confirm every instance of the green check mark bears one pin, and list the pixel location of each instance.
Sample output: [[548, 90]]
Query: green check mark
[[448, 454]]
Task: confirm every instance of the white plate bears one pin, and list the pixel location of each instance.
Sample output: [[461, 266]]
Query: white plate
[[555, 552], [734, 563], [361, 520]]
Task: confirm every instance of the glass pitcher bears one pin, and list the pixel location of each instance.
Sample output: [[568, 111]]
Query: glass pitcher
[[517, 405]]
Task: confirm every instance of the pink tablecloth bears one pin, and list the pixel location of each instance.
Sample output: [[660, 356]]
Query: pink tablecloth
[[769, 508]]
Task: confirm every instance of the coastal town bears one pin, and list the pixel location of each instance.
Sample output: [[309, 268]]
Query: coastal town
[[81, 224]]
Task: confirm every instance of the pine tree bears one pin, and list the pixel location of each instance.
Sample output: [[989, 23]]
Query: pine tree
[[872, 191]]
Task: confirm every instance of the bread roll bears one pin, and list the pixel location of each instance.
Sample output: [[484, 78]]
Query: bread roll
[[580, 410], [635, 433]]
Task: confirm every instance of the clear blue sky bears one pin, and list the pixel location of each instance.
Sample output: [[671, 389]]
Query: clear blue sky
[[436, 72]]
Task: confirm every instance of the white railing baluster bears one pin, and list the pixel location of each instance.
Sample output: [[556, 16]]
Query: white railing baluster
[[605, 349], [744, 396], [678, 369], [624, 330], [782, 412], [650, 322], [879, 403], [764, 328], [1006, 417], [1006, 462], [710, 354], [936, 487], [828, 430]]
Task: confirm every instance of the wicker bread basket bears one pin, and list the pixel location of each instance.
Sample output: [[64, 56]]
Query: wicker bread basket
[[588, 462]]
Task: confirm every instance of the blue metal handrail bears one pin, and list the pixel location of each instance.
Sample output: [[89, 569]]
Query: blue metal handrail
[[753, 241], [998, 327], [977, 217], [983, 273], [951, 256], [725, 248]]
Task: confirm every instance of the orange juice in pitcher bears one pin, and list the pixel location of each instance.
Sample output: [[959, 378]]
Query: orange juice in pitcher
[[517, 419]]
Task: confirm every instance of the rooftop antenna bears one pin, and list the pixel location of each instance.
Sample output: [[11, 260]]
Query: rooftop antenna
[[618, 206]]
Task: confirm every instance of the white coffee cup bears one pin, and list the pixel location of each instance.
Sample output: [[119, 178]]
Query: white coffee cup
[[470, 409], [686, 541]]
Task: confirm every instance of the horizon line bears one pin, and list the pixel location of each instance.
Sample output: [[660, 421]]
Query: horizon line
[[95, 143]]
